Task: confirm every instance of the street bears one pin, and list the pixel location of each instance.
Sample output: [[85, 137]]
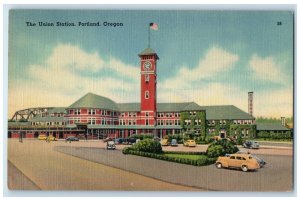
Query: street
[[52, 166]]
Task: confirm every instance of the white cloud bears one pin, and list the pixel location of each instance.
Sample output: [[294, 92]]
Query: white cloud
[[215, 61], [59, 82], [266, 69], [187, 85]]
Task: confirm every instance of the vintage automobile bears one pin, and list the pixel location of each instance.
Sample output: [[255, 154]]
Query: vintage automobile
[[240, 161], [174, 143], [72, 138], [260, 161], [251, 145], [119, 140], [189, 143], [110, 145], [164, 142], [42, 137], [51, 138]]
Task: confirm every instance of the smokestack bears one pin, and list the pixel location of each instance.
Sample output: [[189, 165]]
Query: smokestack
[[250, 102], [283, 121]]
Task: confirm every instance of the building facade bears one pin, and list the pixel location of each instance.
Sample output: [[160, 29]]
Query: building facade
[[97, 117]]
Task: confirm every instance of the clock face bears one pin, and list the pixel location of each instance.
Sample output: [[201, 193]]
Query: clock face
[[147, 65]]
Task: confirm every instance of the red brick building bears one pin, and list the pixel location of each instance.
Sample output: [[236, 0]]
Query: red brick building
[[96, 117]]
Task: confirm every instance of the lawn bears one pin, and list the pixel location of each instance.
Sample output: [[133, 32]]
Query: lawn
[[187, 156]]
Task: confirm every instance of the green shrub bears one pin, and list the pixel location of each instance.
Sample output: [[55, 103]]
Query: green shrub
[[148, 145], [215, 151], [220, 148], [263, 134], [202, 161], [228, 146], [127, 150], [141, 136]]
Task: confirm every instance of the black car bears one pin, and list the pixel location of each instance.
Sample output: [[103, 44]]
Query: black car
[[251, 145], [119, 140], [72, 138]]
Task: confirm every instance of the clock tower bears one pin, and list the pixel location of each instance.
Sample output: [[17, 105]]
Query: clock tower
[[148, 86]]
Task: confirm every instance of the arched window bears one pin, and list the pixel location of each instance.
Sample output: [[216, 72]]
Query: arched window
[[146, 94]]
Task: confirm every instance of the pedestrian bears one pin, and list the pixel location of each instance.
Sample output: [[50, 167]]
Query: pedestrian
[[48, 139], [20, 138]]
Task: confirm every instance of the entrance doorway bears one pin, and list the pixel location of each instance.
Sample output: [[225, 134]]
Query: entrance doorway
[[222, 134]]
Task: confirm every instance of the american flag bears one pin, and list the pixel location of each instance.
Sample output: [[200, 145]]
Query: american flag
[[153, 26]]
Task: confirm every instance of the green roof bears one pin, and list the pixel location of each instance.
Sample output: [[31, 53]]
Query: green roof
[[148, 51], [17, 123], [57, 110], [161, 107], [177, 107], [229, 112], [91, 100], [271, 127], [46, 119], [129, 107]]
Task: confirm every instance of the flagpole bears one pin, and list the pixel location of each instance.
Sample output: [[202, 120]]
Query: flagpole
[[149, 36]]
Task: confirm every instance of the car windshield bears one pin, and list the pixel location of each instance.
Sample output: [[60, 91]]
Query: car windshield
[[111, 143]]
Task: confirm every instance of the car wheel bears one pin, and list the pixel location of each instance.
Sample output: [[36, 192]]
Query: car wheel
[[244, 168], [219, 165]]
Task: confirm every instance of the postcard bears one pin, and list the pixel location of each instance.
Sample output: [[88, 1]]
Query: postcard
[[150, 100]]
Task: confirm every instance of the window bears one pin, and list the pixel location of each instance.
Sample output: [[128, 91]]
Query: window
[[187, 122], [232, 157], [147, 122], [238, 158], [92, 111], [147, 78], [77, 111], [146, 94], [147, 114]]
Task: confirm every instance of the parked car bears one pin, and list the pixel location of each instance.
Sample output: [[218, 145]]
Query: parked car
[[110, 145], [156, 139], [119, 140], [164, 142], [72, 138], [42, 137], [128, 141], [174, 143], [260, 161], [251, 145], [241, 161], [189, 143], [51, 138]]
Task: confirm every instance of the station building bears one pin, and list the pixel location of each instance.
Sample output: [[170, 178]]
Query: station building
[[97, 117]]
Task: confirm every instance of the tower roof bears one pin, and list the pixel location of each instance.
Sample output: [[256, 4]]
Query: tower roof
[[148, 51]]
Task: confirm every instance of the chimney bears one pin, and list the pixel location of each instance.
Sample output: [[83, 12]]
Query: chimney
[[283, 121], [250, 102]]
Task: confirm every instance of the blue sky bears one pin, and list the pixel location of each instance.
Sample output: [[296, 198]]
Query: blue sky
[[210, 57]]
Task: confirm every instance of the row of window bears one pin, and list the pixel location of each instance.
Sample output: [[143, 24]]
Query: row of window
[[48, 123], [130, 114], [93, 112], [168, 122], [176, 114], [129, 122], [243, 121], [92, 121], [196, 122]]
